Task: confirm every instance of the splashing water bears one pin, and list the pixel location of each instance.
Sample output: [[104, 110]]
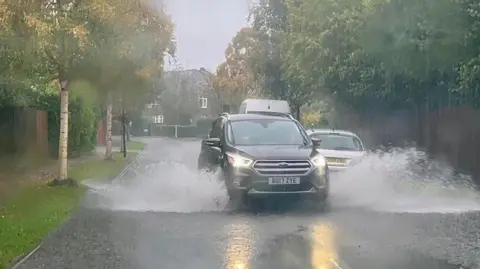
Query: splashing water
[[400, 180], [404, 180], [163, 187]]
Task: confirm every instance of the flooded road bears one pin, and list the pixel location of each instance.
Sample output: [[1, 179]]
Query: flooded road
[[163, 214]]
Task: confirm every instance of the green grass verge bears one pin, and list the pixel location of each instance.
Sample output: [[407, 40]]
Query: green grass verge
[[37, 209], [135, 145], [131, 145]]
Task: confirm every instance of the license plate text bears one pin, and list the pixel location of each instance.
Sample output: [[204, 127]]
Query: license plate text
[[283, 180]]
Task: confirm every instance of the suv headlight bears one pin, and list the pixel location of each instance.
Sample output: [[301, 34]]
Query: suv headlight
[[238, 161], [319, 161]]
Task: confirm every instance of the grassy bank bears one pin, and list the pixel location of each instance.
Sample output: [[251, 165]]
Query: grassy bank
[[37, 209], [135, 145], [131, 145]]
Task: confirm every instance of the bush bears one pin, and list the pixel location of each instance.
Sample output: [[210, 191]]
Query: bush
[[82, 124], [139, 124], [187, 131]]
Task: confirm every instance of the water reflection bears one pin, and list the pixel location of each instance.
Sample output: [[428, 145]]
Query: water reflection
[[315, 249], [239, 248], [324, 252]]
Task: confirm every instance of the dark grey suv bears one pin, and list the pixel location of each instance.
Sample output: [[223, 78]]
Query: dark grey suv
[[263, 155]]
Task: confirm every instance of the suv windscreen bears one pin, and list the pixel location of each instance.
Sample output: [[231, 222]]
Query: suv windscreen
[[338, 142], [265, 132]]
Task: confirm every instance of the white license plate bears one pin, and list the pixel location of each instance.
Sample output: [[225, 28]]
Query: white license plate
[[283, 180]]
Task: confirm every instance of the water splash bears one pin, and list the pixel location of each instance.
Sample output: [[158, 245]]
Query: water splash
[[404, 180], [399, 180], [165, 186]]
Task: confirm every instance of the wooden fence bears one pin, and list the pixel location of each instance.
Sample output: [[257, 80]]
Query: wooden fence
[[23, 130], [452, 134]]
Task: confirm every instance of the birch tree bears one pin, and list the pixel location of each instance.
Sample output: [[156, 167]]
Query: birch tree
[[72, 38], [57, 32]]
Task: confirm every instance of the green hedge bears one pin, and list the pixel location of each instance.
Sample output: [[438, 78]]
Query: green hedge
[[139, 124], [82, 124], [162, 130]]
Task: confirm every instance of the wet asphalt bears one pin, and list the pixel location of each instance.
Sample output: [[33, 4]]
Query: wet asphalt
[[271, 237]]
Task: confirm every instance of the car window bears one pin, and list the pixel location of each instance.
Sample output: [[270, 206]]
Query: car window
[[265, 132], [338, 142], [216, 127]]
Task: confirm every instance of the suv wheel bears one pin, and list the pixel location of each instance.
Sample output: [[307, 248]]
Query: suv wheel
[[238, 198]]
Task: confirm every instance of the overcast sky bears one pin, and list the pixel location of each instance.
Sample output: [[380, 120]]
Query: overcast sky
[[204, 28]]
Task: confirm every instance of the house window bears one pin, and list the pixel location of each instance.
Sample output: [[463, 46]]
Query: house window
[[153, 104], [203, 102], [158, 119]]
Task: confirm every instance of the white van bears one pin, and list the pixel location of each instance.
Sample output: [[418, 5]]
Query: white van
[[264, 106]]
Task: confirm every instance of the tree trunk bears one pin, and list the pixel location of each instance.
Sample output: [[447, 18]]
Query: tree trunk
[[298, 115], [127, 130], [63, 140], [108, 133]]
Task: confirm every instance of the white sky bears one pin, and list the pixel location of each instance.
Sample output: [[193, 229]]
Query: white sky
[[203, 29]]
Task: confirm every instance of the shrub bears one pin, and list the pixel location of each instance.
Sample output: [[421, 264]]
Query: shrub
[[82, 124]]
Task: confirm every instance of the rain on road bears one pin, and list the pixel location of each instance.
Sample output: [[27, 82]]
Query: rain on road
[[164, 215]]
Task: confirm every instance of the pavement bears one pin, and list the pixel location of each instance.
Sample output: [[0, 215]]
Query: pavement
[[161, 214]]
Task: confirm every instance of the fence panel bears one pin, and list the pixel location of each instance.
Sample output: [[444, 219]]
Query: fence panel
[[23, 130]]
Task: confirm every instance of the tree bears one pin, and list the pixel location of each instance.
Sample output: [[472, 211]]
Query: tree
[[374, 57], [60, 40], [363, 53], [130, 43], [101, 41], [269, 20], [235, 78]]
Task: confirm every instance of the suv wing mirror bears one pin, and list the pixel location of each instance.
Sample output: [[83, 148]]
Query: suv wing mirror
[[212, 142], [316, 142]]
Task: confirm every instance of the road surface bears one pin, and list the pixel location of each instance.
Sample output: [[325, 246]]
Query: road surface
[[165, 216]]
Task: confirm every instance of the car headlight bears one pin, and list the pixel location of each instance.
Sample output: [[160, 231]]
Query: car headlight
[[238, 161], [319, 161]]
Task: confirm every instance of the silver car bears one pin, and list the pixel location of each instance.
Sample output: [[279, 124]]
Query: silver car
[[340, 148]]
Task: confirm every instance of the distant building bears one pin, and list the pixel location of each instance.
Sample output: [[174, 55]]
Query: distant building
[[188, 96]]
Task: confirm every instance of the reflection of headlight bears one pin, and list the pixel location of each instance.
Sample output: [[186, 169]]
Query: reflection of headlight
[[238, 161], [319, 161]]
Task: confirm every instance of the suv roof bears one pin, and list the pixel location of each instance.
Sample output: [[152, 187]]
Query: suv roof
[[238, 117]]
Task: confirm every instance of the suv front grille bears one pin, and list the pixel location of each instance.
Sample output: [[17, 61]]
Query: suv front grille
[[271, 168]]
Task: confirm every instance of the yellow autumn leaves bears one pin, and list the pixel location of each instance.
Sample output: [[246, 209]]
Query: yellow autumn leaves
[[235, 77]]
